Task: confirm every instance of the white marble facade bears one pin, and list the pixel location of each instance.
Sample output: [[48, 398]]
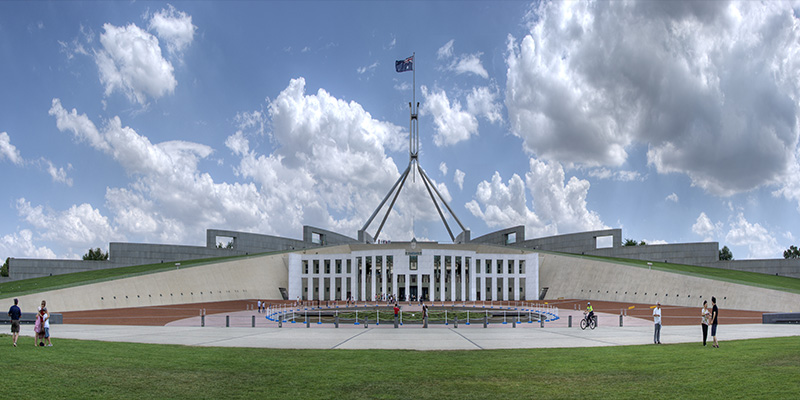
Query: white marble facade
[[437, 274]]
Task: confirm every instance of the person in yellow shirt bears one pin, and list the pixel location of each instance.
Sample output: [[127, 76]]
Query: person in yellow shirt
[[590, 312]]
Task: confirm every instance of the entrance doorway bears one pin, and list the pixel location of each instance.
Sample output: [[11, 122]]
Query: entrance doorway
[[413, 292]]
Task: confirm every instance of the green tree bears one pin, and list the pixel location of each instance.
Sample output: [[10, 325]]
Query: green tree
[[4, 269], [791, 252], [228, 246], [725, 254], [629, 242], [642, 243], [95, 254]]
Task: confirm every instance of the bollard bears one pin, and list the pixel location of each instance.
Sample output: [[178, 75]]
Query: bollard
[[620, 320], [569, 322], [396, 322], [280, 323], [485, 321], [202, 321], [254, 321], [595, 321], [455, 322], [366, 323], [541, 323], [425, 322], [227, 321], [336, 321], [308, 323], [514, 323]]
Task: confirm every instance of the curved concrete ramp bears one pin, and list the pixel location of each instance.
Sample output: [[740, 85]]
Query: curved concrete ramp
[[574, 277]]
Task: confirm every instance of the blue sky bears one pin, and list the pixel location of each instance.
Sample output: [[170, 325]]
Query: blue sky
[[151, 122]]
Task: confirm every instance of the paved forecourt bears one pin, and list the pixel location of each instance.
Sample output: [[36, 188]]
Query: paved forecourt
[[437, 337]]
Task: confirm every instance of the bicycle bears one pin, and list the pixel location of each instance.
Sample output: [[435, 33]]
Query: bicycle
[[591, 323]]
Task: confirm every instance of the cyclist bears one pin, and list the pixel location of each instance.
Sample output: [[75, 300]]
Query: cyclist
[[590, 313]]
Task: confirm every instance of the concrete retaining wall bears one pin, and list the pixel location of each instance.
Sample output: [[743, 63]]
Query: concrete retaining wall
[[249, 278], [579, 278], [254, 242], [576, 243], [681, 253], [25, 268]]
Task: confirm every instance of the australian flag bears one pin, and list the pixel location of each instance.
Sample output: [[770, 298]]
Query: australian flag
[[404, 65]]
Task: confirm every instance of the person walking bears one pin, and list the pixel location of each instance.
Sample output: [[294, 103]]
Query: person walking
[[706, 314], [714, 321], [15, 313], [657, 321]]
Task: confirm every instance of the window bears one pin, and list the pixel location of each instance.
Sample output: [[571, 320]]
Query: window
[[499, 267], [316, 266], [511, 238], [412, 263], [521, 267], [510, 267], [338, 266]]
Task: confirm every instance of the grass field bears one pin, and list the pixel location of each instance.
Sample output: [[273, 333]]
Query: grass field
[[761, 368]]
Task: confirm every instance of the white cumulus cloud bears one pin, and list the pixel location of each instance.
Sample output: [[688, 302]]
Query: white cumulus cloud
[[130, 61], [705, 228], [8, 150], [710, 88], [465, 63], [458, 178], [453, 125], [174, 27], [557, 206], [760, 243]]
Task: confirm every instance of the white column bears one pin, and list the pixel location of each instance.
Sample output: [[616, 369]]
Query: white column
[[408, 282], [373, 277], [453, 277], [517, 279], [463, 279], [321, 278], [332, 283], [473, 280], [363, 267], [384, 278], [442, 266], [353, 277], [394, 280]]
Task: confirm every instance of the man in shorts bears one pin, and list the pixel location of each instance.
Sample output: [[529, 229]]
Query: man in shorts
[[14, 312]]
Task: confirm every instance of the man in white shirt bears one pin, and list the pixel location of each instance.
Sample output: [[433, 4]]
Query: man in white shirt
[[657, 321]]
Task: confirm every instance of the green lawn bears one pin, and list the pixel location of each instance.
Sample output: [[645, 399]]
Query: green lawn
[[36, 285], [762, 368]]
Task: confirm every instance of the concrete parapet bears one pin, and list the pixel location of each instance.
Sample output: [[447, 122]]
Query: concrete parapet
[[502, 237], [576, 243], [313, 236], [680, 253], [253, 242]]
